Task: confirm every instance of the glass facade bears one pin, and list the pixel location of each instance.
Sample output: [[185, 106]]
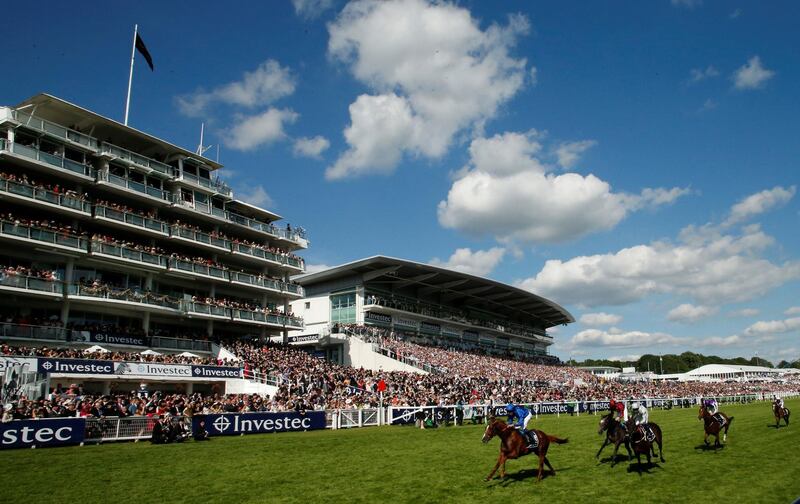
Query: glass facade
[[343, 308]]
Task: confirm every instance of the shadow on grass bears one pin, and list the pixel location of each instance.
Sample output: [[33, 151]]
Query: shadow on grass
[[643, 468], [525, 475], [777, 426], [620, 457], [709, 447]]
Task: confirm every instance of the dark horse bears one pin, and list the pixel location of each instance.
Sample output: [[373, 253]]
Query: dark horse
[[780, 413], [513, 445], [641, 445], [713, 427], [615, 434]]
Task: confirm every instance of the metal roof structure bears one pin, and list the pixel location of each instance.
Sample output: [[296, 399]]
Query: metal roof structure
[[448, 287]]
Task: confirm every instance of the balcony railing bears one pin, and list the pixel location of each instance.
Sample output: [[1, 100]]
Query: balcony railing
[[54, 129], [246, 278], [54, 160], [199, 237], [293, 288], [198, 269], [121, 252], [137, 159], [153, 192], [206, 309], [31, 283], [205, 208], [214, 185], [36, 193], [127, 295], [264, 227], [131, 219], [180, 344], [76, 242], [29, 332]]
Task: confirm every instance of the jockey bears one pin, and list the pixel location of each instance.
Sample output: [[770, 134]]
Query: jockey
[[778, 401], [618, 410], [641, 418], [521, 414], [711, 405]]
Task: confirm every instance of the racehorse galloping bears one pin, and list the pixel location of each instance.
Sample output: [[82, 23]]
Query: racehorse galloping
[[641, 445], [615, 434], [513, 445], [780, 412], [713, 427]]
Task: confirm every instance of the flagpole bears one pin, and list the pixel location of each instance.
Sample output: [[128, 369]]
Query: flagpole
[[130, 76]]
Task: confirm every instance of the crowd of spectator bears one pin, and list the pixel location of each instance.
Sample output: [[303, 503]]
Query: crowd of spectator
[[9, 273], [95, 354], [53, 188], [49, 225]]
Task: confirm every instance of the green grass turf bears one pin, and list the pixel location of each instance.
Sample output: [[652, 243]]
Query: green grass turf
[[403, 464]]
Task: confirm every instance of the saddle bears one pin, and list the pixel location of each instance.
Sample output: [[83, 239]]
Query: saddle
[[647, 433], [720, 419]]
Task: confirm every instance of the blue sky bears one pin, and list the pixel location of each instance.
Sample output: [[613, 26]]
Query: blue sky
[[634, 161]]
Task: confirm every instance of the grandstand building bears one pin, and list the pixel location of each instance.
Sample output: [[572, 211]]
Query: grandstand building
[[424, 303], [111, 236]]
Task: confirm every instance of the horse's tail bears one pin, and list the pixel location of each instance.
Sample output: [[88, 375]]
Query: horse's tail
[[728, 424], [557, 440]]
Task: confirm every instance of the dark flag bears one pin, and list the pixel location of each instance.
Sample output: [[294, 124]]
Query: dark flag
[[143, 50]]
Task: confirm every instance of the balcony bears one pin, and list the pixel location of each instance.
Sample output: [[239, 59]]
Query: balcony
[[199, 238], [128, 255], [261, 318], [204, 310], [32, 285], [48, 160], [215, 186], [131, 220], [180, 344], [195, 269], [29, 332], [264, 255], [131, 186], [293, 236], [205, 208], [119, 295], [137, 160], [25, 193], [64, 241], [249, 280], [54, 130], [293, 289]]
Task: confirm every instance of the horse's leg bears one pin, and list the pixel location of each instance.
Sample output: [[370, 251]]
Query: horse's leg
[[541, 467], [639, 462], [503, 469], [614, 455], [628, 448], [705, 438], [660, 441], [547, 462], [605, 443], [500, 459]]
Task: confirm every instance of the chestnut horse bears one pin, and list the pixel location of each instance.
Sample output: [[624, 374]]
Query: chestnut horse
[[712, 426], [780, 413], [615, 434], [513, 445]]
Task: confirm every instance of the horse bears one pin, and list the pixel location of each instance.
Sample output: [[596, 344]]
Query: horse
[[641, 445], [513, 445], [712, 426], [780, 413], [615, 434]]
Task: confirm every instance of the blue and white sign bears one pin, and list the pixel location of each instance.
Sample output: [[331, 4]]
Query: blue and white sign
[[216, 372], [74, 366], [50, 432], [258, 423]]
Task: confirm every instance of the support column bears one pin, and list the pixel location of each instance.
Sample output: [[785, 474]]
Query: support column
[[148, 285], [69, 269], [189, 388], [210, 326], [107, 387]]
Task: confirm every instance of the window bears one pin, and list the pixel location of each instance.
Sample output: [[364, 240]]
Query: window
[[343, 308], [308, 305]]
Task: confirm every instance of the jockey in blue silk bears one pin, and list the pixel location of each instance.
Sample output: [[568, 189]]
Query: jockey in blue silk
[[520, 415]]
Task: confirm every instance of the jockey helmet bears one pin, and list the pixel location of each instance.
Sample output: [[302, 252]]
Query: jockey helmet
[[509, 407], [612, 403], [635, 406]]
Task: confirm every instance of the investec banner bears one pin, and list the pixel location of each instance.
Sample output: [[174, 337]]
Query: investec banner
[[228, 424], [303, 338], [150, 369], [216, 372], [109, 339], [380, 318], [27, 433], [75, 366]]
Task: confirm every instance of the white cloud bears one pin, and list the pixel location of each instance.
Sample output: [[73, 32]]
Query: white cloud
[[760, 202], [310, 147], [794, 310], [310, 9], [709, 267], [253, 131], [688, 313], [600, 319], [598, 338], [723, 341], [709, 104], [625, 358], [735, 14], [773, 326], [480, 262], [255, 195], [266, 84], [689, 4], [745, 312], [507, 192], [700, 74], [433, 73], [569, 153], [315, 268], [751, 75]]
